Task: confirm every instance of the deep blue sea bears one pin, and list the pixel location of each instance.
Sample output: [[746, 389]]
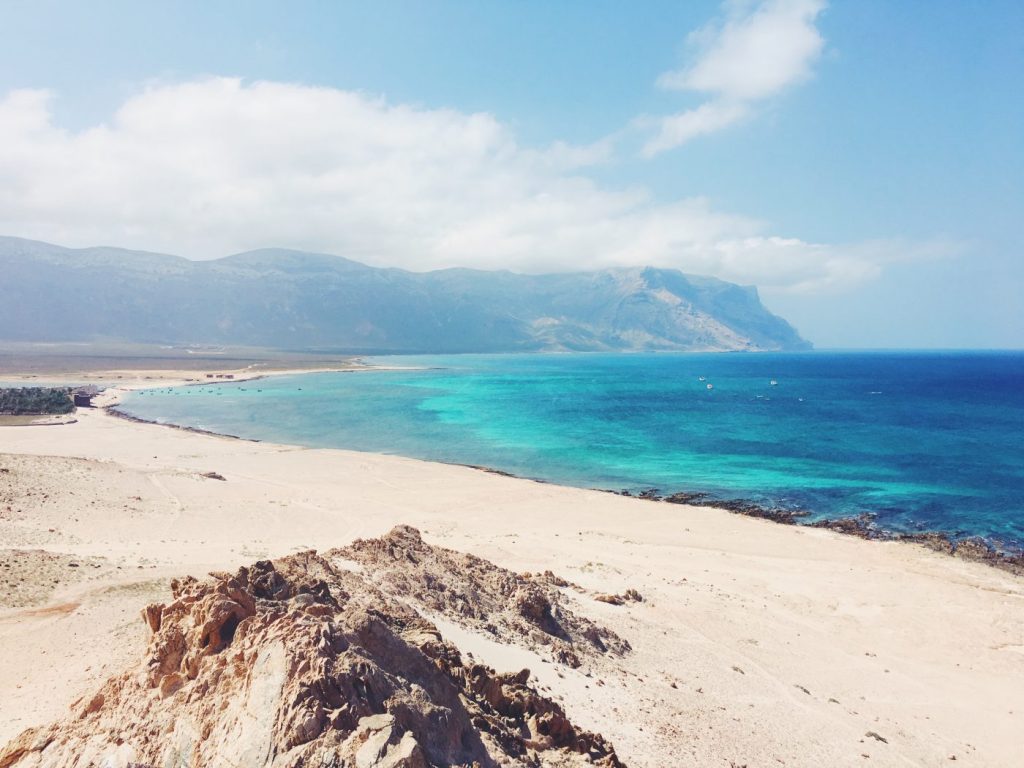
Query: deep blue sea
[[925, 441]]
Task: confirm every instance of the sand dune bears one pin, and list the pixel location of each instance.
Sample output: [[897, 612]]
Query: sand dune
[[754, 644]]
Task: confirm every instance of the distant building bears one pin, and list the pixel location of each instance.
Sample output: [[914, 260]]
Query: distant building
[[83, 399]]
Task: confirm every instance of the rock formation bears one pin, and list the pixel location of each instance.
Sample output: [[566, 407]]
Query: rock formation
[[528, 610], [301, 662]]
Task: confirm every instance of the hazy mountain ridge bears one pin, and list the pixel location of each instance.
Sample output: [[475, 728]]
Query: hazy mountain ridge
[[290, 299]]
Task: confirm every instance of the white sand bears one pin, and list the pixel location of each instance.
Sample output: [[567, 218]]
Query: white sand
[[786, 646]]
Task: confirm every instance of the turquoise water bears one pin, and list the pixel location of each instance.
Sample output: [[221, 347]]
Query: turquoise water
[[926, 441]]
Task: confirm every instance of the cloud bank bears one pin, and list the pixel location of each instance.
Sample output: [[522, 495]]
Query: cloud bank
[[216, 166], [757, 52]]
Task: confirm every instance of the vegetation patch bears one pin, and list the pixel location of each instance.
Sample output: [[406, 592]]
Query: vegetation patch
[[34, 401]]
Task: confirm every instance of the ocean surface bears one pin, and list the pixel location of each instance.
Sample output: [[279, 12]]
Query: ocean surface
[[924, 441]]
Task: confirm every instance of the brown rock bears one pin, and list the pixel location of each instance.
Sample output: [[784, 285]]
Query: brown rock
[[521, 608], [297, 663]]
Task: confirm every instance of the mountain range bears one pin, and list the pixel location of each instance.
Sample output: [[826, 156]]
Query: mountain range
[[294, 300]]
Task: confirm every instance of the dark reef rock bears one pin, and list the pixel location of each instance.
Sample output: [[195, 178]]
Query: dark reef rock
[[739, 506], [973, 548]]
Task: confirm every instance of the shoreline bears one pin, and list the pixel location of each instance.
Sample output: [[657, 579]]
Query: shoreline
[[114, 412], [980, 549], [753, 643], [988, 551], [138, 378]]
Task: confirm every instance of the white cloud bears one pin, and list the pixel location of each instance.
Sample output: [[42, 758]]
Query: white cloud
[[215, 166], [754, 54], [679, 129]]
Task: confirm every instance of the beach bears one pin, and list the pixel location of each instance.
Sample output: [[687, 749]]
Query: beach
[[753, 644], [520, 385]]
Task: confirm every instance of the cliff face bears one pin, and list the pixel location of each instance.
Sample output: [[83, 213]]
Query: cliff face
[[303, 662], [287, 299]]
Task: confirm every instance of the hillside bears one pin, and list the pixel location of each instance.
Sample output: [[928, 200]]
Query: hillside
[[294, 300], [302, 662]]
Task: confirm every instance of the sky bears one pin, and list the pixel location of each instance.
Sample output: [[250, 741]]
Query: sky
[[860, 161]]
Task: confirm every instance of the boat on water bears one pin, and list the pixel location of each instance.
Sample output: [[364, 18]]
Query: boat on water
[[701, 378], [711, 386], [773, 383]]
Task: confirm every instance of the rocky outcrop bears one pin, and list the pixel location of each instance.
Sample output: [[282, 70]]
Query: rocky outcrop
[[629, 596], [972, 548], [517, 608], [991, 552], [302, 663]]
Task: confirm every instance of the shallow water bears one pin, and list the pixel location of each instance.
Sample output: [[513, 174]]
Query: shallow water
[[926, 441]]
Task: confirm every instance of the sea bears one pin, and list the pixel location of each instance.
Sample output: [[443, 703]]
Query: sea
[[920, 441]]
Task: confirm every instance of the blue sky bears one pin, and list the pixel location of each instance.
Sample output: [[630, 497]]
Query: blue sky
[[862, 162]]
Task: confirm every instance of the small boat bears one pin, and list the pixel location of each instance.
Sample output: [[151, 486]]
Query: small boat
[[773, 383], [711, 386], [701, 378]]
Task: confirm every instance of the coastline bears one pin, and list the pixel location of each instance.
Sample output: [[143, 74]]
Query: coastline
[[119, 380], [990, 552], [974, 548], [109, 398], [755, 643], [979, 549], [116, 413]]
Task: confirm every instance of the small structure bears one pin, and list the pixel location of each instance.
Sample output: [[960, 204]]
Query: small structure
[[83, 397]]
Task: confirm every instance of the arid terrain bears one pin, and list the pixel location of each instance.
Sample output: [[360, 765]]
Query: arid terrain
[[304, 662]]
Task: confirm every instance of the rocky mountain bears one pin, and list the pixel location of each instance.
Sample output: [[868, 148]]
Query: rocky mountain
[[294, 300], [304, 661]]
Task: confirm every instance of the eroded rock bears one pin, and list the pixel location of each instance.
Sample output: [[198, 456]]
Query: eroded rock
[[520, 608], [297, 663]]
